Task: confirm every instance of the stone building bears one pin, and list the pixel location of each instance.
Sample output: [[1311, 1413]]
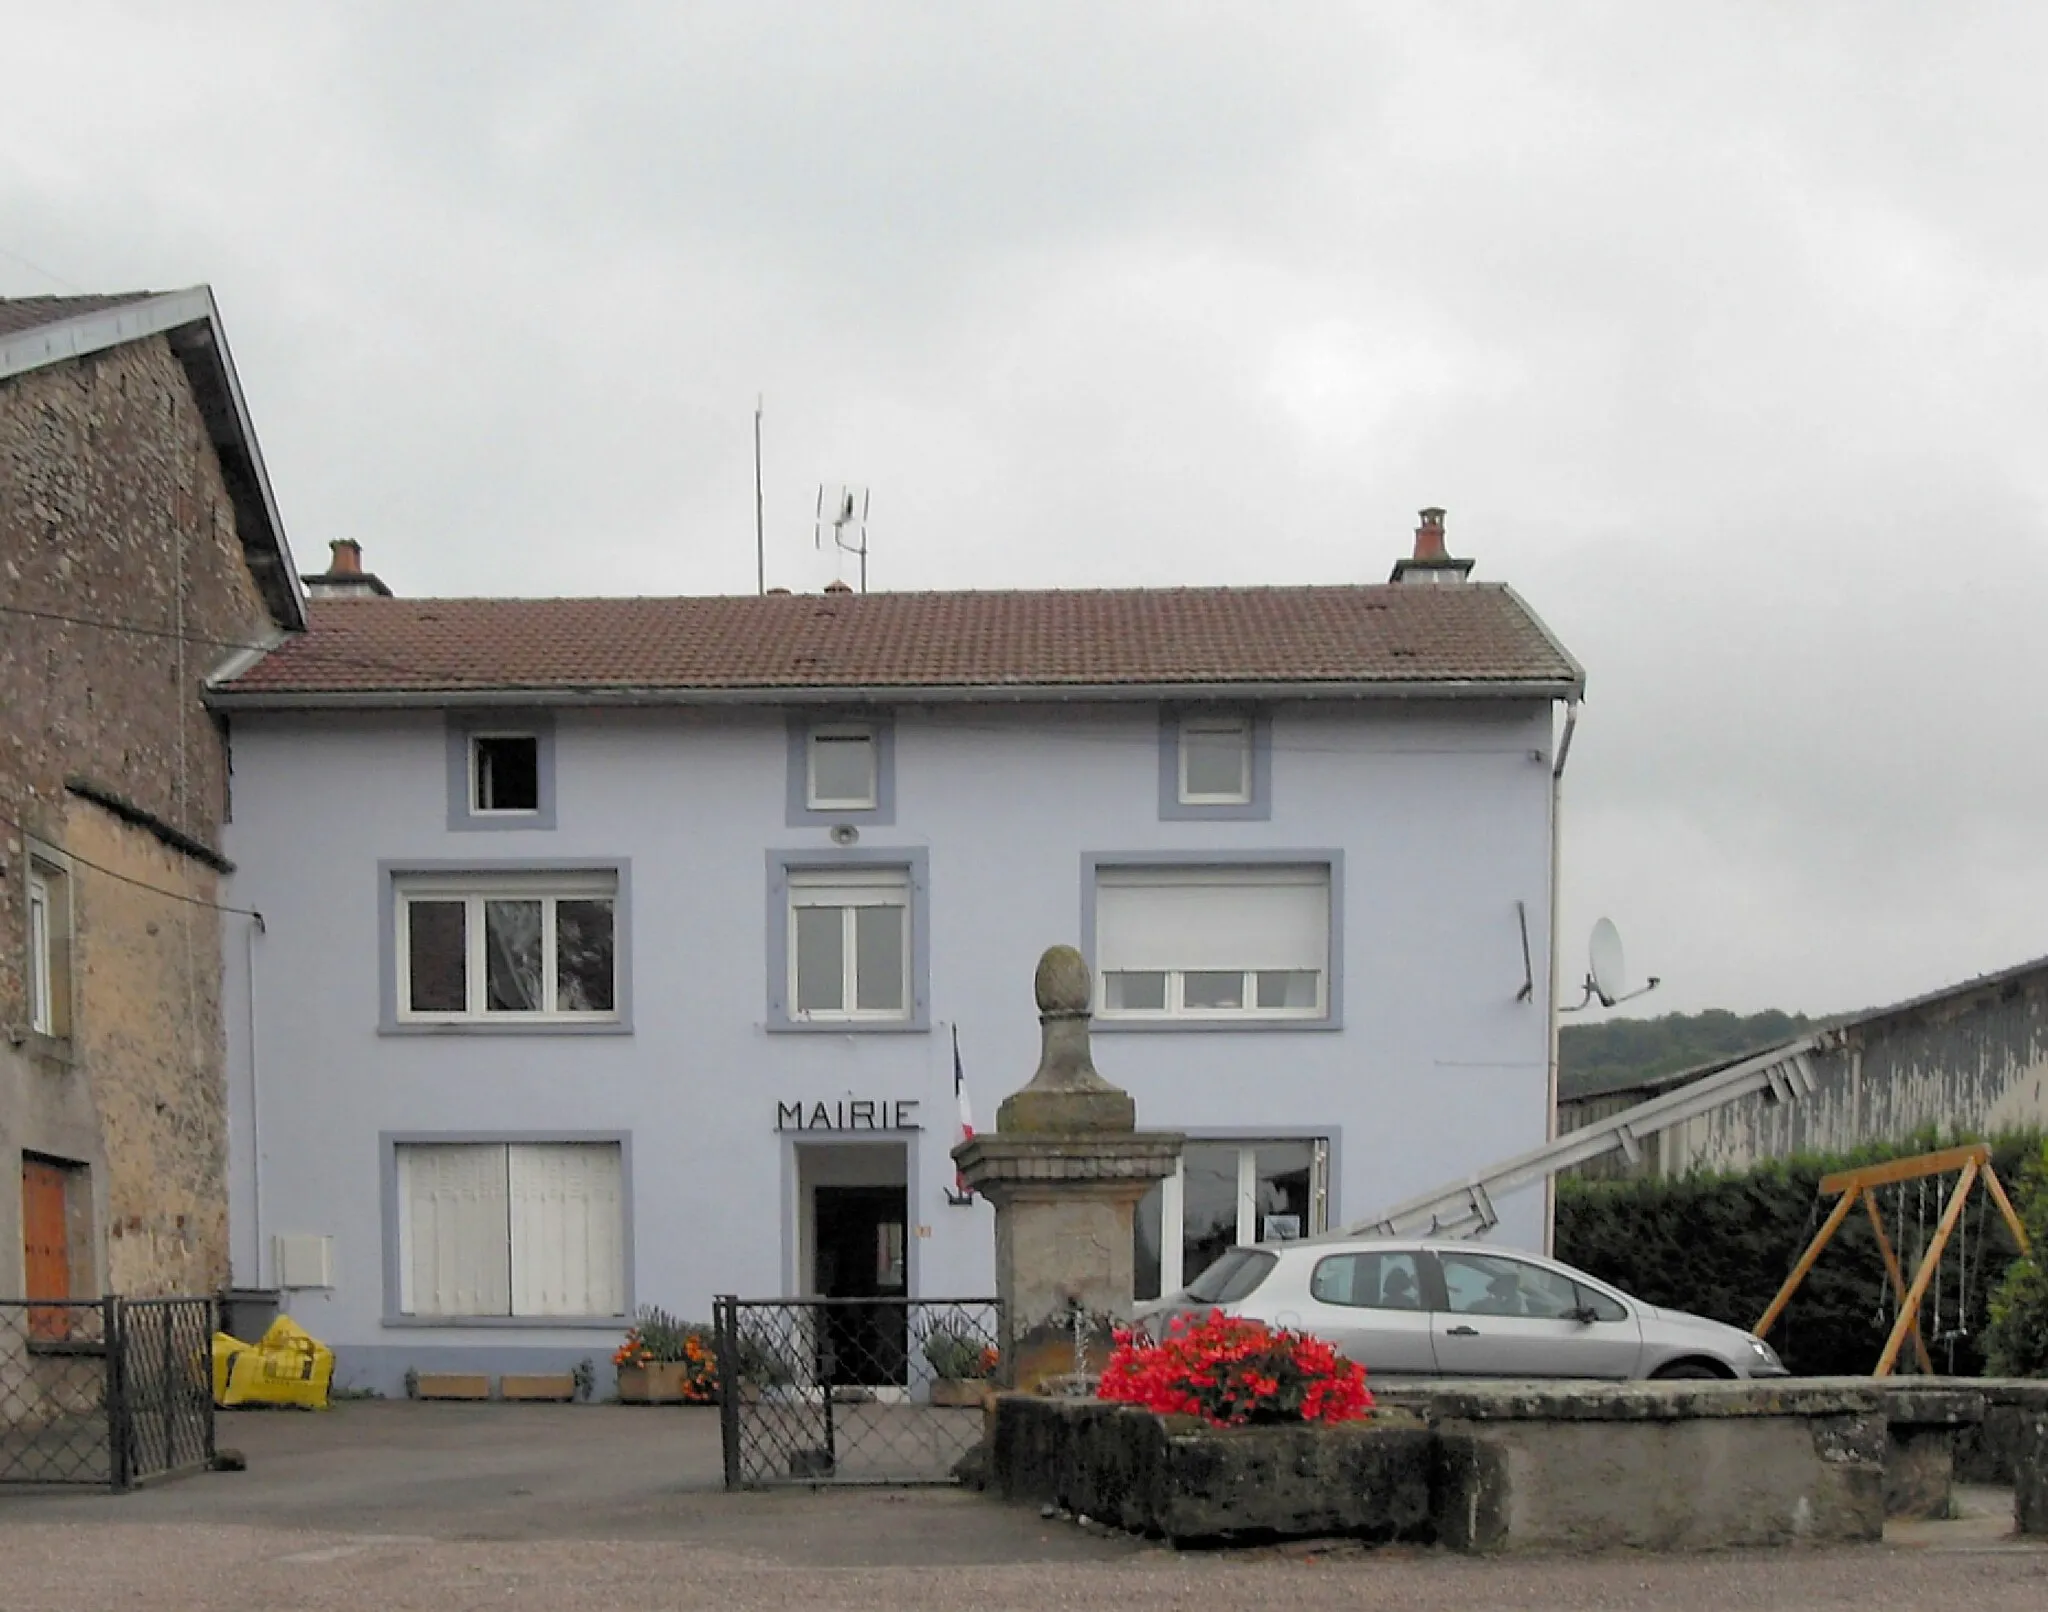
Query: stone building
[[140, 551]]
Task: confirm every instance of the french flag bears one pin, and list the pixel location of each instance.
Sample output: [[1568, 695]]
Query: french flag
[[961, 1191]]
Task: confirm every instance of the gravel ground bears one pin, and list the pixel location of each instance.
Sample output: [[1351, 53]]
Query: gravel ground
[[396, 1507]]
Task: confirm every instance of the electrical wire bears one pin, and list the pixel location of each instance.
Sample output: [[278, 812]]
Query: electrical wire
[[26, 832]]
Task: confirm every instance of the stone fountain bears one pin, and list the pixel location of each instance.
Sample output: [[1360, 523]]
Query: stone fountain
[[1064, 1168]]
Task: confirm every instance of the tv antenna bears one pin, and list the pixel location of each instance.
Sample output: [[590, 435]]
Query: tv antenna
[[845, 511], [1606, 976]]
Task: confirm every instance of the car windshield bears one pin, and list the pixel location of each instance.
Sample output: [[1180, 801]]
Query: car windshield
[[1235, 1274]]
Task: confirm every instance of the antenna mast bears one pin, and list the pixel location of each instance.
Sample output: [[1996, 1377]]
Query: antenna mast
[[846, 512], [760, 537]]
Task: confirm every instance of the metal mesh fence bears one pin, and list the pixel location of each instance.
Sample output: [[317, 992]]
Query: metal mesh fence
[[54, 1369], [106, 1392], [164, 1389], [885, 1391]]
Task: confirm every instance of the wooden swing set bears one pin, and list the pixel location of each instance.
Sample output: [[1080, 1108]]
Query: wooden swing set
[[1974, 1163]]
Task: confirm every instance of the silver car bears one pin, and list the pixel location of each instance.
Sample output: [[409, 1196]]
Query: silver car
[[1407, 1307]]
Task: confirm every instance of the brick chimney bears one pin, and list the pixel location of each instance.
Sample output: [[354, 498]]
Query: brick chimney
[[345, 576], [1431, 562]]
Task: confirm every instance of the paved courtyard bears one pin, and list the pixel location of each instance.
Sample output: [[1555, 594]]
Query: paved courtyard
[[447, 1507]]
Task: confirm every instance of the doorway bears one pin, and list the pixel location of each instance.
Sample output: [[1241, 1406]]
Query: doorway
[[856, 1251]]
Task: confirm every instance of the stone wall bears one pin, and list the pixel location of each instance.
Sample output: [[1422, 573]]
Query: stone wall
[[1486, 1467], [113, 509]]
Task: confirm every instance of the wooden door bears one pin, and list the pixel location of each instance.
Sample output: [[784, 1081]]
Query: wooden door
[[46, 1245]]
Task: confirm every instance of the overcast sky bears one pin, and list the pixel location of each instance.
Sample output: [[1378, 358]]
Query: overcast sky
[[1720, 329]]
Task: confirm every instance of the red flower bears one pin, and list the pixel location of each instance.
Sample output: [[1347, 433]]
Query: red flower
[[1230, 1372]]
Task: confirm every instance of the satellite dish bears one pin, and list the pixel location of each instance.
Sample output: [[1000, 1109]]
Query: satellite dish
[[1604, 957], [1607, 972]]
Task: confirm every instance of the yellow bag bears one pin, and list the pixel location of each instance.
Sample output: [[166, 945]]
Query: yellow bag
[[287, 1366]]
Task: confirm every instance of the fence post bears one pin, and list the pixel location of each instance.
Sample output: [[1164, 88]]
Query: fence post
[[119, 1466], [212, 1320], [725, 1317]]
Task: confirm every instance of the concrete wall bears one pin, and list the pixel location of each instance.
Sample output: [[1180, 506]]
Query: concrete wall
[[1440, 813], [1971, 1062], [112, 508]]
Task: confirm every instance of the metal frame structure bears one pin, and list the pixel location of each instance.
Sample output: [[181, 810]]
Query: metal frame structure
[[1848, 1186]]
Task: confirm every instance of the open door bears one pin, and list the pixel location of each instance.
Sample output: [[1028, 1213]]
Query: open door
[[861, 1252]]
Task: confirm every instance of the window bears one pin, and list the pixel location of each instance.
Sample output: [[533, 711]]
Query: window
[[49, 949], [507, 949], [1220, 944], [849, 944], [1368, 1281], [504, 773], [501, 770], [842, 773], [1227, 1195], [511, 1229], [1215, 761], [1486, 1284], [841, 768], [1235, 1276], [1215, 764]]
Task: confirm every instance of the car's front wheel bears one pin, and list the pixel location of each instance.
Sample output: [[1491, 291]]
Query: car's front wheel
[[1687, 1371]]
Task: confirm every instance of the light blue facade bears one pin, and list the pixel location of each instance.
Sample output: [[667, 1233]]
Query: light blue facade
[[1435, 813]]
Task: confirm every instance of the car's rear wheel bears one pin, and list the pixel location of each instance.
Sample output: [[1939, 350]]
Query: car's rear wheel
[[1687, 1371]]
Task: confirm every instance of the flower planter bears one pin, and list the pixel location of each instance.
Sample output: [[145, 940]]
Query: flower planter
[[1179, 1478], [958, 1393], [659, 1382]]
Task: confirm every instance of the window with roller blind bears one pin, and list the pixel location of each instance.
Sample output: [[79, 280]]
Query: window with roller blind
[[510, 1230], [1215, 944]]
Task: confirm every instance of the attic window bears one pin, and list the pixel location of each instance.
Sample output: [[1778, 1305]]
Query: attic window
[[843, 772], [504, 773]]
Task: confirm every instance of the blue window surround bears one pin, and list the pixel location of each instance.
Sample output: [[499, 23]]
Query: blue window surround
[[388, 1144], [1173, 809], [1093, 862], [914, 860], [464, 726], [799, 813], [388, 875]]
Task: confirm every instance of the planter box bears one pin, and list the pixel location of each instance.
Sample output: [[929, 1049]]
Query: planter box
[[552, 1387], [960, 1393], [661, 1382], [453, 1385]]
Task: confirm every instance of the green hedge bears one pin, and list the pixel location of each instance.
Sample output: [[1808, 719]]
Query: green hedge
[[1721, 1245]]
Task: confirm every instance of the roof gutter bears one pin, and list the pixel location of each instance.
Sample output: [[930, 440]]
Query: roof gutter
[[227, 697]]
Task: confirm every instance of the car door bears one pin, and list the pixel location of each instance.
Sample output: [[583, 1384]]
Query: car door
[[1369, 1304], [1506, 1317]]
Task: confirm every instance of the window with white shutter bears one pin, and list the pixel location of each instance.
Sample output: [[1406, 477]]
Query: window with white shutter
[[1221, 943], [511, 1229]]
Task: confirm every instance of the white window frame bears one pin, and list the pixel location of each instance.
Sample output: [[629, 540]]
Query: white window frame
[[47, 922], [1176, 1009], [839, 733], [474, 740], [516, 1280], [850, 889], [1173, 1200], [1239, 727], [474, 890], [41, 1018]]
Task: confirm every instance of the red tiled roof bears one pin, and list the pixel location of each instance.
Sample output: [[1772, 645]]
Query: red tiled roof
[[29, 313], [1471, 633]]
